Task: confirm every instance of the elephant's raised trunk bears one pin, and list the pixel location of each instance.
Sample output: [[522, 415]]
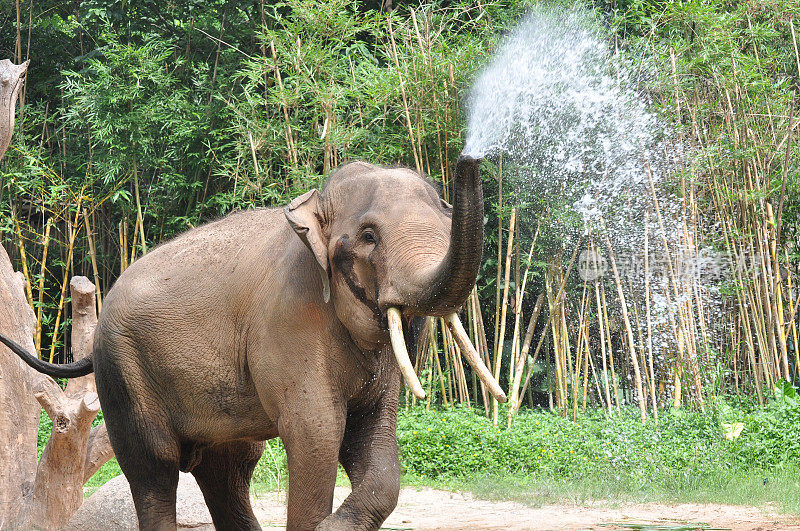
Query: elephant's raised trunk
[[451, 282]]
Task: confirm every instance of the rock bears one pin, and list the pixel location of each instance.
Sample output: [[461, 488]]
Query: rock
[[111, 507]]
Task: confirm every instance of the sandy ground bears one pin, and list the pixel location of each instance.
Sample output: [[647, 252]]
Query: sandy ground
[[436, 509]]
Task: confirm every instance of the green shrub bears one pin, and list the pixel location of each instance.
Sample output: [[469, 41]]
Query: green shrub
[[688, 449], [686, 446]]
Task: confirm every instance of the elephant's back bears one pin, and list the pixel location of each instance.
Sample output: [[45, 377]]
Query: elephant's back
[[203, 262], [174, 318]]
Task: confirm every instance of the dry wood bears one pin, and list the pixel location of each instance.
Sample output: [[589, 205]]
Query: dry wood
[[58, 487], [43, 496], [19, 416], [11, 79]]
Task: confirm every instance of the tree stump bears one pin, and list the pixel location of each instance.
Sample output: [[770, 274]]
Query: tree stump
[[58, 488], [11, 77], [48, 494], [19, 415]]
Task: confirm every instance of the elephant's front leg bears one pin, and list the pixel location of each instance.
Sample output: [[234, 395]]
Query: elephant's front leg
[[370, 458], [312, 435]]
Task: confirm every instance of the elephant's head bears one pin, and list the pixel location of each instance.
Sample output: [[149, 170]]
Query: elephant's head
[[389, 248]]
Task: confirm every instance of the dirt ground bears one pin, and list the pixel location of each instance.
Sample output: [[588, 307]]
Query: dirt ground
[[426, 508]]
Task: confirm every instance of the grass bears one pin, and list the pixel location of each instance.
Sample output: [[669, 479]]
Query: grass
[[779, 488], [544, 458]]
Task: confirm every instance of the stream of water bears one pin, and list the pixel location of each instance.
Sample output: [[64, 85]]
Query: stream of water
[[583, 147]]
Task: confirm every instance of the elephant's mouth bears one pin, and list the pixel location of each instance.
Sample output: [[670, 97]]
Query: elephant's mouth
[[395, 320], [343, 257]]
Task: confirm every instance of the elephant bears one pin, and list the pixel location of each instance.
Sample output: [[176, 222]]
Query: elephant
[[283, 323]]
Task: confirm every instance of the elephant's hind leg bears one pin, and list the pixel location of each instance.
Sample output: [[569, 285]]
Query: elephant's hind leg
[[148, 456], [224, 473], [146, 449]]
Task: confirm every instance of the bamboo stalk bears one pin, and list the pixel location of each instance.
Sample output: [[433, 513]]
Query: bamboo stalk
[[123, 246], [132, 255], [523, 356], [439, 369], [293, 155], [582, 317], [417, 157], [648, 316], [474, 307], [432, 355], [549, 321], [498, 355], [629, 334], [610, 347], [93, 256], [499, 253], [602, 328], [23, 258], [139, 218], [513, 365], [37, 337], [64, 282], [793, 322], [777, 308]]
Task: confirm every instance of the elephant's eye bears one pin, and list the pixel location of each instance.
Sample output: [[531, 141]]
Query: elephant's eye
[[369, 237]]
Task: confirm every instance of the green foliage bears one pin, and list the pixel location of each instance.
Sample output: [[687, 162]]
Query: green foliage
[[688, 450], [271, 470], [218, 106], [459, 442], [715, 64]]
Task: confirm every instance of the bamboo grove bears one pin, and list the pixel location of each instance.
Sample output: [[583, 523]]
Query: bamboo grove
[[146, 121]]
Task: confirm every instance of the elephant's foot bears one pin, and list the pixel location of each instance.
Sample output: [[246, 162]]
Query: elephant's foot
[[367, 507], [336, 522]]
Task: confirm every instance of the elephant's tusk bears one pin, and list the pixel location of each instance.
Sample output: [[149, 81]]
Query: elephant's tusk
[[469, 352], [401, 354]]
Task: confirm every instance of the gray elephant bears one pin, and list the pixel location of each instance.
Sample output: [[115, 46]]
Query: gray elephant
[[283, 323]]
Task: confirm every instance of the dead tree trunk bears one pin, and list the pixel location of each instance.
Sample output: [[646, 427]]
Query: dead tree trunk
[[48, 494], [11, 77], [19, 414], [58, 488]]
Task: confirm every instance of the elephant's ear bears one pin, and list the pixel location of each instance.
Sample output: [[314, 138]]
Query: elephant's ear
[[302, 214]]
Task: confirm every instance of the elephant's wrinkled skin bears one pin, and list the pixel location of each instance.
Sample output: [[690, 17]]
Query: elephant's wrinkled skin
[[222, 338]]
